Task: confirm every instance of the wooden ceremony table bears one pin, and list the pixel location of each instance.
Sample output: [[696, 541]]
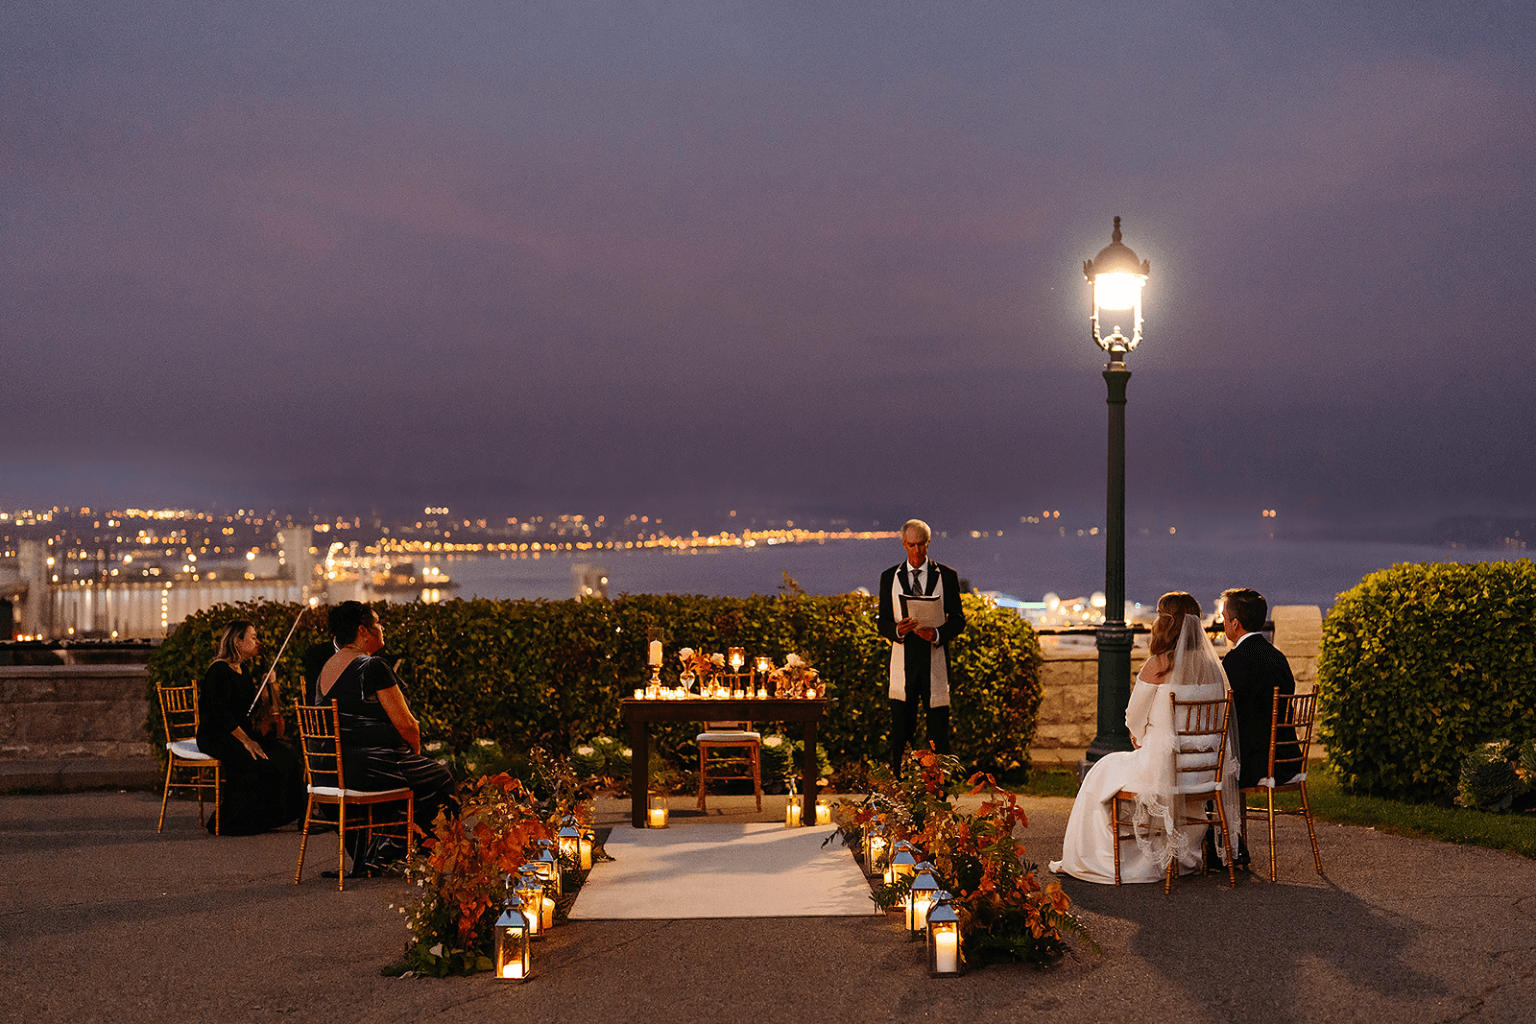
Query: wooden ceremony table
[[641, 713]]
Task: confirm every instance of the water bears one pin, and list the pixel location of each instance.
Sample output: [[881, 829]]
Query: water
[[1023, 564]]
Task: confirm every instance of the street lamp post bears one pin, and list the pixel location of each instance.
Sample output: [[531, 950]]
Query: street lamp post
[[1116, 278]]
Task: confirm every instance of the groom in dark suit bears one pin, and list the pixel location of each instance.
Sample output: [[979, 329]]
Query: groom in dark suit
[[919, 655], [1255, 670]]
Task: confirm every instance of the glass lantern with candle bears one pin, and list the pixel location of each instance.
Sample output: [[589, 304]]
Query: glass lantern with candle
[[513, 962], [529, 889], [877, 847], [569, 838], [549, 867], [903, 862], [584, 847], [656, 815], [920, 897], [944, 954]]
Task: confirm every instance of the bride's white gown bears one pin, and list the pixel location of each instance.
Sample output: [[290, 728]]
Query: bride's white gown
[[1088, 850]]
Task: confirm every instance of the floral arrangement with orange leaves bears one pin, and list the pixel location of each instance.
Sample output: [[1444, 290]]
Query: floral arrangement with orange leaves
[[1006, 911], [460, 871], [700, 664], [793, 678]]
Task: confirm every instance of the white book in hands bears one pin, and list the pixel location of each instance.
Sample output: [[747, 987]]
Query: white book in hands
[[928, 611]]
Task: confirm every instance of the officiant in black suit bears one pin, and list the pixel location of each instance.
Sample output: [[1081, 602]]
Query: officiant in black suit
[[1256, 670], [919, 654]]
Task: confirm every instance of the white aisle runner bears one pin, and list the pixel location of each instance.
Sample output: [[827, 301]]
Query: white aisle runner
[[759, 869]]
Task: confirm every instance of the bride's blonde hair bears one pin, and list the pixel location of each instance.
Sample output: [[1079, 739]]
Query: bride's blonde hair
[[1171, 609]]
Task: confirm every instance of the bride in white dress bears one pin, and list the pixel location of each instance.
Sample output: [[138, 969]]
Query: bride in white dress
[[1183, 661]]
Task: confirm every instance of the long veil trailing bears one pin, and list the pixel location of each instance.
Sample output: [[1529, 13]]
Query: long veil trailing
[[1196, 675]]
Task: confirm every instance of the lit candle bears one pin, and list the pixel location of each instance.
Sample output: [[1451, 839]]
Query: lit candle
[[584, 846], [762, 693], [792, 814], [548, 921], [946, 951], [658, 817], [655, 655], [639, 695], [810, 693], [823, 814], [533, 917], [513, 970]]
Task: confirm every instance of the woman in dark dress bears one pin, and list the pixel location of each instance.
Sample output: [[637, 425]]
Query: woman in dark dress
[[261, 779], [380, 738]]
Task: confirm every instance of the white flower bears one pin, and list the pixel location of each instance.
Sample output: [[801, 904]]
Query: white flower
[[603, 739], [485, 743], [773, 741], [793, 661], [585, 751], [627, 752], [435, 746], [472, 766], [717, 660], [436, 950], [684, 654]]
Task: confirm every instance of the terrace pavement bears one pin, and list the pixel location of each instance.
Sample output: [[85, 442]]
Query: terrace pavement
[[104, 920]]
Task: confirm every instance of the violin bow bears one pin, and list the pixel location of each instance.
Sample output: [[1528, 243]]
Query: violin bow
[[263, 687]]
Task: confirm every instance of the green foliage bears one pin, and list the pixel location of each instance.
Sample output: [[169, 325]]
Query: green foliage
[[551, 674], [1515, 833], [1496, 775], [1420, 664]]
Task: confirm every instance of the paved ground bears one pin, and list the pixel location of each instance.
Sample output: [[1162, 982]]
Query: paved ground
[[103, 920]]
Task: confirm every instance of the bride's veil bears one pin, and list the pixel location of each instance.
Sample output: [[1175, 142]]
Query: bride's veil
[[1196, 675]]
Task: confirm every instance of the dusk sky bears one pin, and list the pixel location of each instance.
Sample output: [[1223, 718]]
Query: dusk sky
[[821, 258]]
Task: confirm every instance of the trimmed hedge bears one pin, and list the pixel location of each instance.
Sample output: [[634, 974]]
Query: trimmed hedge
[[1419, 665], [551, 673]]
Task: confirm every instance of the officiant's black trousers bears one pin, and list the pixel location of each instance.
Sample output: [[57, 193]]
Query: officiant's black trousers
[[904, 724]]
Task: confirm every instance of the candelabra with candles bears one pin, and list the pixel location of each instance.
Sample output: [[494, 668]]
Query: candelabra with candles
[[653, 659]]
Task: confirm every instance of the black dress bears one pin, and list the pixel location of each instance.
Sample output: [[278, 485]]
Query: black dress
[[374, 756], [255, 795]]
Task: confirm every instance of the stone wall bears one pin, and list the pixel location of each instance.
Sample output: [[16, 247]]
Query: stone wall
[[52, 712], [1069, 706]]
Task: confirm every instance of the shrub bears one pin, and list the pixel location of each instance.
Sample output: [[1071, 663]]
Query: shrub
[[1419, 665], [551, 674], [1497, 776]]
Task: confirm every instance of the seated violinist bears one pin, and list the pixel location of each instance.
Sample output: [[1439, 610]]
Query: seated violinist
[[380, 738], [261, 778]]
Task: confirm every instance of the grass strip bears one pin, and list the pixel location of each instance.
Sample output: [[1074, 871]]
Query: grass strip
[[1515, 833]]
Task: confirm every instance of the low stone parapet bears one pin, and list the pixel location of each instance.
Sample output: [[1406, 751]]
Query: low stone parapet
[[1069, 705], [73, 711]]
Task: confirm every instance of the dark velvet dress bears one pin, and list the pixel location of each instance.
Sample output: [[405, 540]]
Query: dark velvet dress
[[374, 756], [255, 795]]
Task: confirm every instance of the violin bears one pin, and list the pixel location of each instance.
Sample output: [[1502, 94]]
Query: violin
[[266, 718], [269, 720]]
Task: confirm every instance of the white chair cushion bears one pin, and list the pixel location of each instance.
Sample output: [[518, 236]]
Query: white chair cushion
[[729, 737], [187, 750], [354, 793], [1270, 783]]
